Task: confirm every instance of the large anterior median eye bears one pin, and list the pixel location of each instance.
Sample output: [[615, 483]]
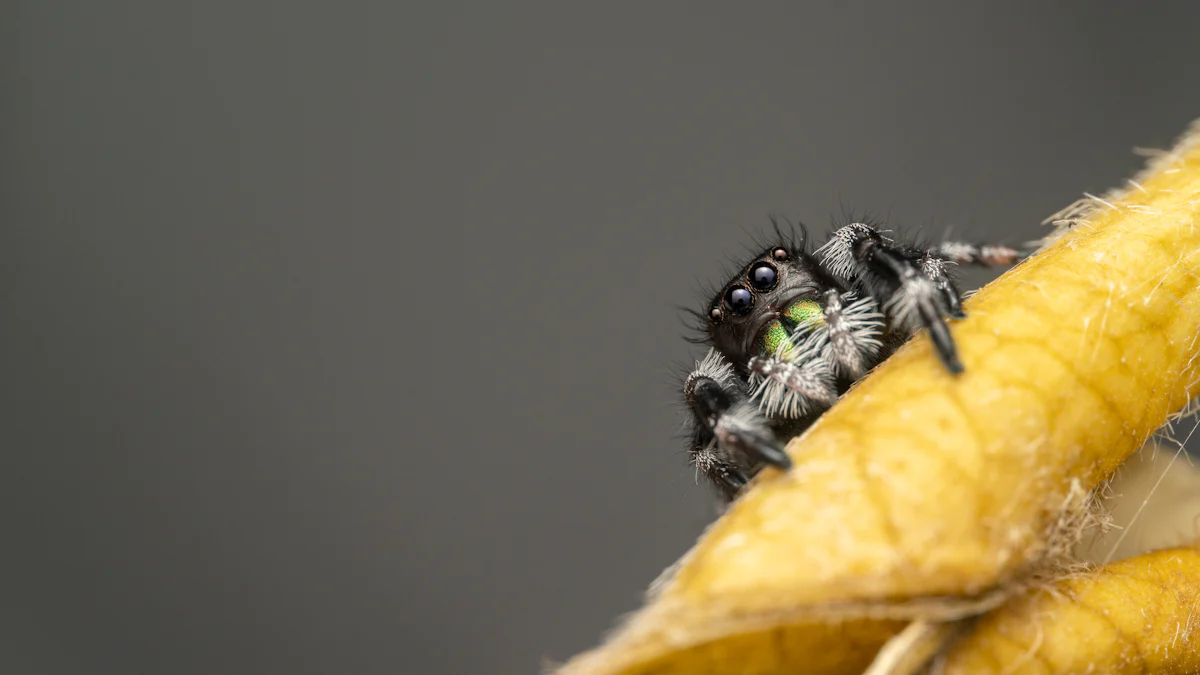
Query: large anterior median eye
[[763, 276], [739, 300]]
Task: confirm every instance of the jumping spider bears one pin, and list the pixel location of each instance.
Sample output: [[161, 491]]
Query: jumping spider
[[793, 330]]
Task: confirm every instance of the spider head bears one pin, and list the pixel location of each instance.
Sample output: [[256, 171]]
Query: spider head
[[764, 303]]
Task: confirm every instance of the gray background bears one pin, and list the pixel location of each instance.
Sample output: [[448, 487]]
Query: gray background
[[338, 337]]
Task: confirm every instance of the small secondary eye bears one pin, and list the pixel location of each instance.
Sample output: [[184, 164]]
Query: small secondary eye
[[763, 277], [739, 300], [716, 315], [780, 254]]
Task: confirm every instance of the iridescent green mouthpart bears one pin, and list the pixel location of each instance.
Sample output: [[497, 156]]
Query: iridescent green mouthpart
[[778, 331], [772, 335], [805, 313]]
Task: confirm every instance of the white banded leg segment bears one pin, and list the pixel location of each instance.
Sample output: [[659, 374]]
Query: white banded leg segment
[[853, 327], [724, 471], [722, 414], [792, 390], [916, 297], [895, 278], [963, 253], [743, 428], [714, 367], [917, 302], [840, 254], [934, 268]]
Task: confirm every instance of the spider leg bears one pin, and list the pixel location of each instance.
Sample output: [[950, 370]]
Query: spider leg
[[963, 253], [731, 436], [934, 268], [899, 281], [933, 263], [854, 326], [796, 382], [727, 476]]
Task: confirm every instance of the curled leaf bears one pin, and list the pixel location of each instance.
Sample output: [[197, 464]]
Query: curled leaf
[[1140, 615], [925, 496]]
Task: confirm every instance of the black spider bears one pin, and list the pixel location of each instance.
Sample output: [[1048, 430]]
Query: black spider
[[793, 330]]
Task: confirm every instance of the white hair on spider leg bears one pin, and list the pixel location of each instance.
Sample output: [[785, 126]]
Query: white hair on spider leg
[[742, 420], [791, 390], [713, 455], [915, 290], [715, 367], [957, 251], [854, 326], [837, 254], [705, 459], [934, 267]]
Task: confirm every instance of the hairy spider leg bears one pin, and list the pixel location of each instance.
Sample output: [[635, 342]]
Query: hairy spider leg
[[792, 389], [854, 326], [980, 255], [910, 284], [730, 433], [933, 264], [726, 475]]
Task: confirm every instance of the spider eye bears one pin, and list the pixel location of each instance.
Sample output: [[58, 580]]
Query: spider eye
[[763, 276], [739, 300], [780, 254]]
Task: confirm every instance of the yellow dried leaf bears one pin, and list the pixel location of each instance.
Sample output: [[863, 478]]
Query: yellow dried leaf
[[921, 495], [1140, 615]]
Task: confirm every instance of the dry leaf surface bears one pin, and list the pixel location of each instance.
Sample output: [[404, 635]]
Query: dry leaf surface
[[921, 495]]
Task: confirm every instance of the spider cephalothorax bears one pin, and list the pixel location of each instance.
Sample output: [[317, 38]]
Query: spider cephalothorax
[[792, 330]]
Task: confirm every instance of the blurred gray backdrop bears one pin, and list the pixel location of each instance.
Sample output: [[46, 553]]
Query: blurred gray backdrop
[[338, 337]]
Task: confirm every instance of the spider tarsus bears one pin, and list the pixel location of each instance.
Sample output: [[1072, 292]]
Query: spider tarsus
[[946, 349], [730, 479], [771, 453]]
